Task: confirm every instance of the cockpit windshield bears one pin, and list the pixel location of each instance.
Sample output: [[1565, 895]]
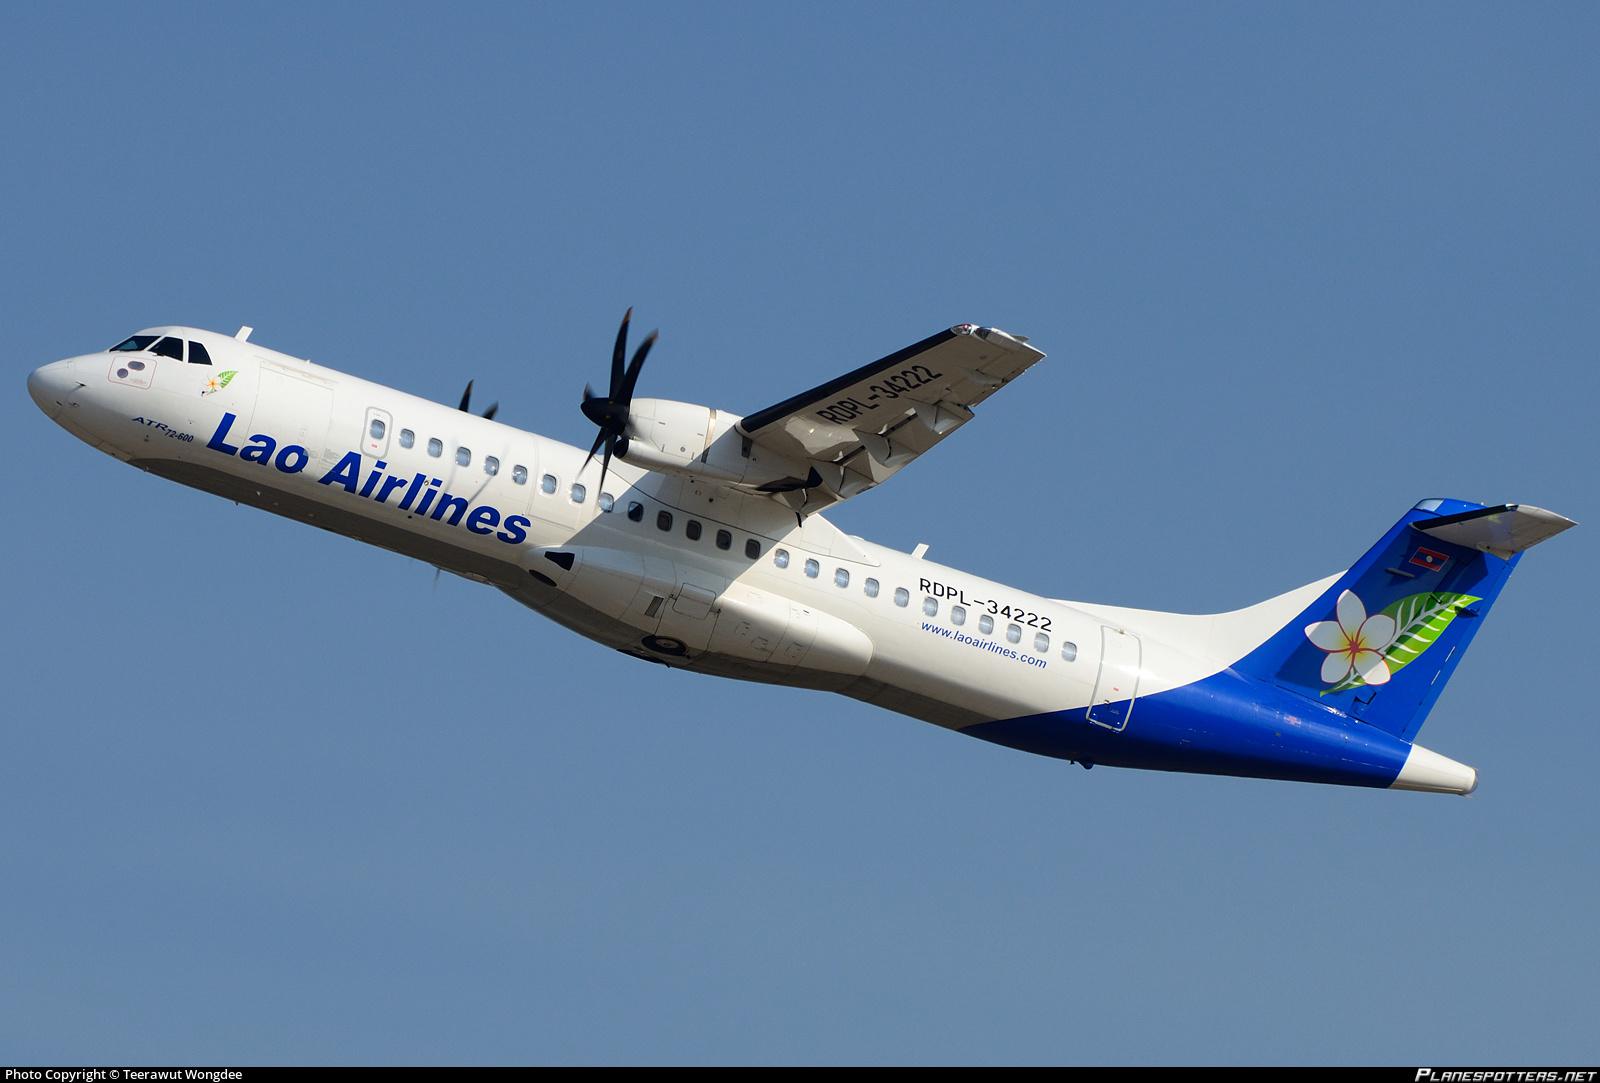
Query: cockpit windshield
[[169, 347], [163, 347]]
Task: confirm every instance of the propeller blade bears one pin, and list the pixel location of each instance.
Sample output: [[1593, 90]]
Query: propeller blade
[[494, 408], [602, 437], [611, 415], [466, 398], [631, 377], [619, 351], [605, 465]]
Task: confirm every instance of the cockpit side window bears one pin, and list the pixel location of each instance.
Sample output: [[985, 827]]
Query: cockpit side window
[[198, 354], [133, 344], [169, 347]]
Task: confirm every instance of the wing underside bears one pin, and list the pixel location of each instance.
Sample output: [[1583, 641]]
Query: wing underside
[[860, 429]]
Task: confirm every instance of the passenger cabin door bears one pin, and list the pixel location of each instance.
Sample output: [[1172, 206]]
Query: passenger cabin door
[[1117, 684], [375, 433]]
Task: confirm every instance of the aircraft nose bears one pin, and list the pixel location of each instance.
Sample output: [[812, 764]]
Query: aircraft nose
[[49, 385]]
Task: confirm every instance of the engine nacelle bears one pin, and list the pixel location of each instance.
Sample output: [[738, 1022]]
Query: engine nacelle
[[702, 442]]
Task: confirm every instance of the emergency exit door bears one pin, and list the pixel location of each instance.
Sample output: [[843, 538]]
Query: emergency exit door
[[1117, 684]]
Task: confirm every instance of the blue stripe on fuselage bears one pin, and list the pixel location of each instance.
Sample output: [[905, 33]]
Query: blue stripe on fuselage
[[1223, 725]]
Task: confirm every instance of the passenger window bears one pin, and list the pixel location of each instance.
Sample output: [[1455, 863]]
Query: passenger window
[[547, 484], [1013, 633], [724, 539], [902, 597], [870, 588], [958, 615], [1041, 642], [519, 474], [635, 511], [780, 557], [435, 447], [171, 347], [752, 549], [841, 578], [691, 529], [607, 502], [812, 568], [407, 438], [663, 520], [579, 493], [491, 465], [986, 624], [1069, 651], [463, 456], [377, 428], [198, 354], [930, 606]]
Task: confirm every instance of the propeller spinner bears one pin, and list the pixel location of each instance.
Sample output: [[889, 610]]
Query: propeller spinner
[[611, 413]]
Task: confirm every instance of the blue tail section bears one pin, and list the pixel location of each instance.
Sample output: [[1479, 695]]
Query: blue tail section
[[1382, 641]]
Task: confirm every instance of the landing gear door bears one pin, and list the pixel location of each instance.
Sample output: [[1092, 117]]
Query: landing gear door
[[751, 623], [688, 618], [1117, 684]]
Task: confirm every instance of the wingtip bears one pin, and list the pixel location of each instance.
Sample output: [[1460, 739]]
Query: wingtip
[[1559, 521], [1550, 523]]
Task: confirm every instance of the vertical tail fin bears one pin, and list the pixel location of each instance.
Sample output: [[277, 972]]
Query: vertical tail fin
[[1380, 643]]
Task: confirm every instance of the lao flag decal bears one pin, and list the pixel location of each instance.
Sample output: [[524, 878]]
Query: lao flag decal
[[1430, 559]]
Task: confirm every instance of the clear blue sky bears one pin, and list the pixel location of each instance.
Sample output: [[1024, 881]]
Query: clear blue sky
[[270, 795]]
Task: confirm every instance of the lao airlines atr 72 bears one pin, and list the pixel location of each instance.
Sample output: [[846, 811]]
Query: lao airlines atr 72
[[693, 537]]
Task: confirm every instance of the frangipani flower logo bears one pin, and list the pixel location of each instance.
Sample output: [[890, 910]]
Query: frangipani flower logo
[[1370, 650], [1355, 642], [217, 382]]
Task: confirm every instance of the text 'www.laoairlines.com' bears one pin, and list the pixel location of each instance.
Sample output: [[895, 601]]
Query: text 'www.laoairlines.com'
[[985, 645]]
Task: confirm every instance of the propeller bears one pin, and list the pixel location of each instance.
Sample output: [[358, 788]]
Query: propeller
[[611, 413], [466, 403]]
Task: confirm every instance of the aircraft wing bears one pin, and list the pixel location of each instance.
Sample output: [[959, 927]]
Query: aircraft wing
[[860, 429]]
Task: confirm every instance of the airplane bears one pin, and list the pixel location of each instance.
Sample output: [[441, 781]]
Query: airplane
[[695, 538]]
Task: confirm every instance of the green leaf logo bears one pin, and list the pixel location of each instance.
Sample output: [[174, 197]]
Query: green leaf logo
[[1419, 621], [217, 382]]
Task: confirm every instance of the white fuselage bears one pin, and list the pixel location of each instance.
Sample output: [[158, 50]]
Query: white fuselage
[[672, 568], [634, 579]]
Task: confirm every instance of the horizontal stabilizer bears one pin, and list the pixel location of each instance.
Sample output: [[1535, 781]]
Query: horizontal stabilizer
[[1502, 530]]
